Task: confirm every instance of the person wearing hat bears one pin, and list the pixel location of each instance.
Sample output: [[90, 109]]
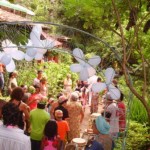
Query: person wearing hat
[[62, 101], [101, 130], [76, 115], [63, 128]]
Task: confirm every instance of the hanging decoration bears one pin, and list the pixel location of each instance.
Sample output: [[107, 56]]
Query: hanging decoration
[[10, 52], [40, 46], [85, 68], [111, 89], [35, 49]]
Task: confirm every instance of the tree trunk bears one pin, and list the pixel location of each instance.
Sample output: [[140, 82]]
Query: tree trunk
[[124, 64]]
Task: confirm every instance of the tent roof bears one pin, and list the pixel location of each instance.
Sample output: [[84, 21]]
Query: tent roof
[[10, 17], [16, 7]]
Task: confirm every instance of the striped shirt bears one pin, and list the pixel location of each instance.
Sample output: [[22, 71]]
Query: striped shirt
[[13, 139]]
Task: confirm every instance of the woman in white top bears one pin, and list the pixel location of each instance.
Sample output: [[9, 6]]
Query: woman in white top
[[68, 85]]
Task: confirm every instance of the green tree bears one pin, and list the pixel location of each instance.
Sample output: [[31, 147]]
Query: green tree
[[128, 24], [124, 23]]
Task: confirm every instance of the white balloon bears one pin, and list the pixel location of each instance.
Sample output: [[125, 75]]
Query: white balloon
[[35, 38], [75, 67], [6, 59], [94, 61], [29, 43], [18, 55], [92, 79], [48, 43], [109, 74], [6, 42], [91, 71], [114, 92], [78, 54], [11, 66], [31, 52], [28, 58], [41, 50], [37, 28], [1, 54], [84, 74], [98, 87], [38, 56], [8, 46]]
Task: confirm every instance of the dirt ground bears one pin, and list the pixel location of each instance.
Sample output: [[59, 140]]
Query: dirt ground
[[87, 114]]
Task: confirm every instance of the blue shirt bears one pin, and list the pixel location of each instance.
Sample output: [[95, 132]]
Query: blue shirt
[[95, 146]]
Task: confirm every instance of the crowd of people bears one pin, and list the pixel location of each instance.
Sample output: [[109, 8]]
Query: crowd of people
[[31, 120]]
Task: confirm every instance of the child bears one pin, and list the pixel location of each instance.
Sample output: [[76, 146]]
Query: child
[[50, 140], [63, 127]]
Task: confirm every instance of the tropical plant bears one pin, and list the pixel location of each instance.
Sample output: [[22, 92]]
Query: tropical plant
[[125, 24], [137, 138], [55, 72]]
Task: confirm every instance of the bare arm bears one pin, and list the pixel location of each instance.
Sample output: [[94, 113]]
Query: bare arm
[[82, 115]]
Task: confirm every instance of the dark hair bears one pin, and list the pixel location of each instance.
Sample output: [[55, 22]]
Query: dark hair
[[106, 114], [51, 129], [59, 94], [41, 105], [22, 86], [36, 86], [99, 79], [12, 115], [121, 96], [17, 94], [39, 71], [10, 74], [2, 103]]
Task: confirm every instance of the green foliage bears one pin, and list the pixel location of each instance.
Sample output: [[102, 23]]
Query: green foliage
[[41, 8], [15, 33], [56, 73], [138, 138], [138, 112]]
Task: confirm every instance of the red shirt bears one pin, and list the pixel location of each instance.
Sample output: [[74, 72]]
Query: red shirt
[[122, 116], [34, 98]]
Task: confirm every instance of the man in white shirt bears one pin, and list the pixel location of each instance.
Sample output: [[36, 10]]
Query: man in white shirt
[[11, 136]]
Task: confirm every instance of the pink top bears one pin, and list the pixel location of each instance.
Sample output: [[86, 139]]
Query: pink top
[[49, 146]]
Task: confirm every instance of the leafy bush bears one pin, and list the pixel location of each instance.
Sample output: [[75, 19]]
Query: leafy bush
[[56, 73], [136, 110], [137, 138]]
